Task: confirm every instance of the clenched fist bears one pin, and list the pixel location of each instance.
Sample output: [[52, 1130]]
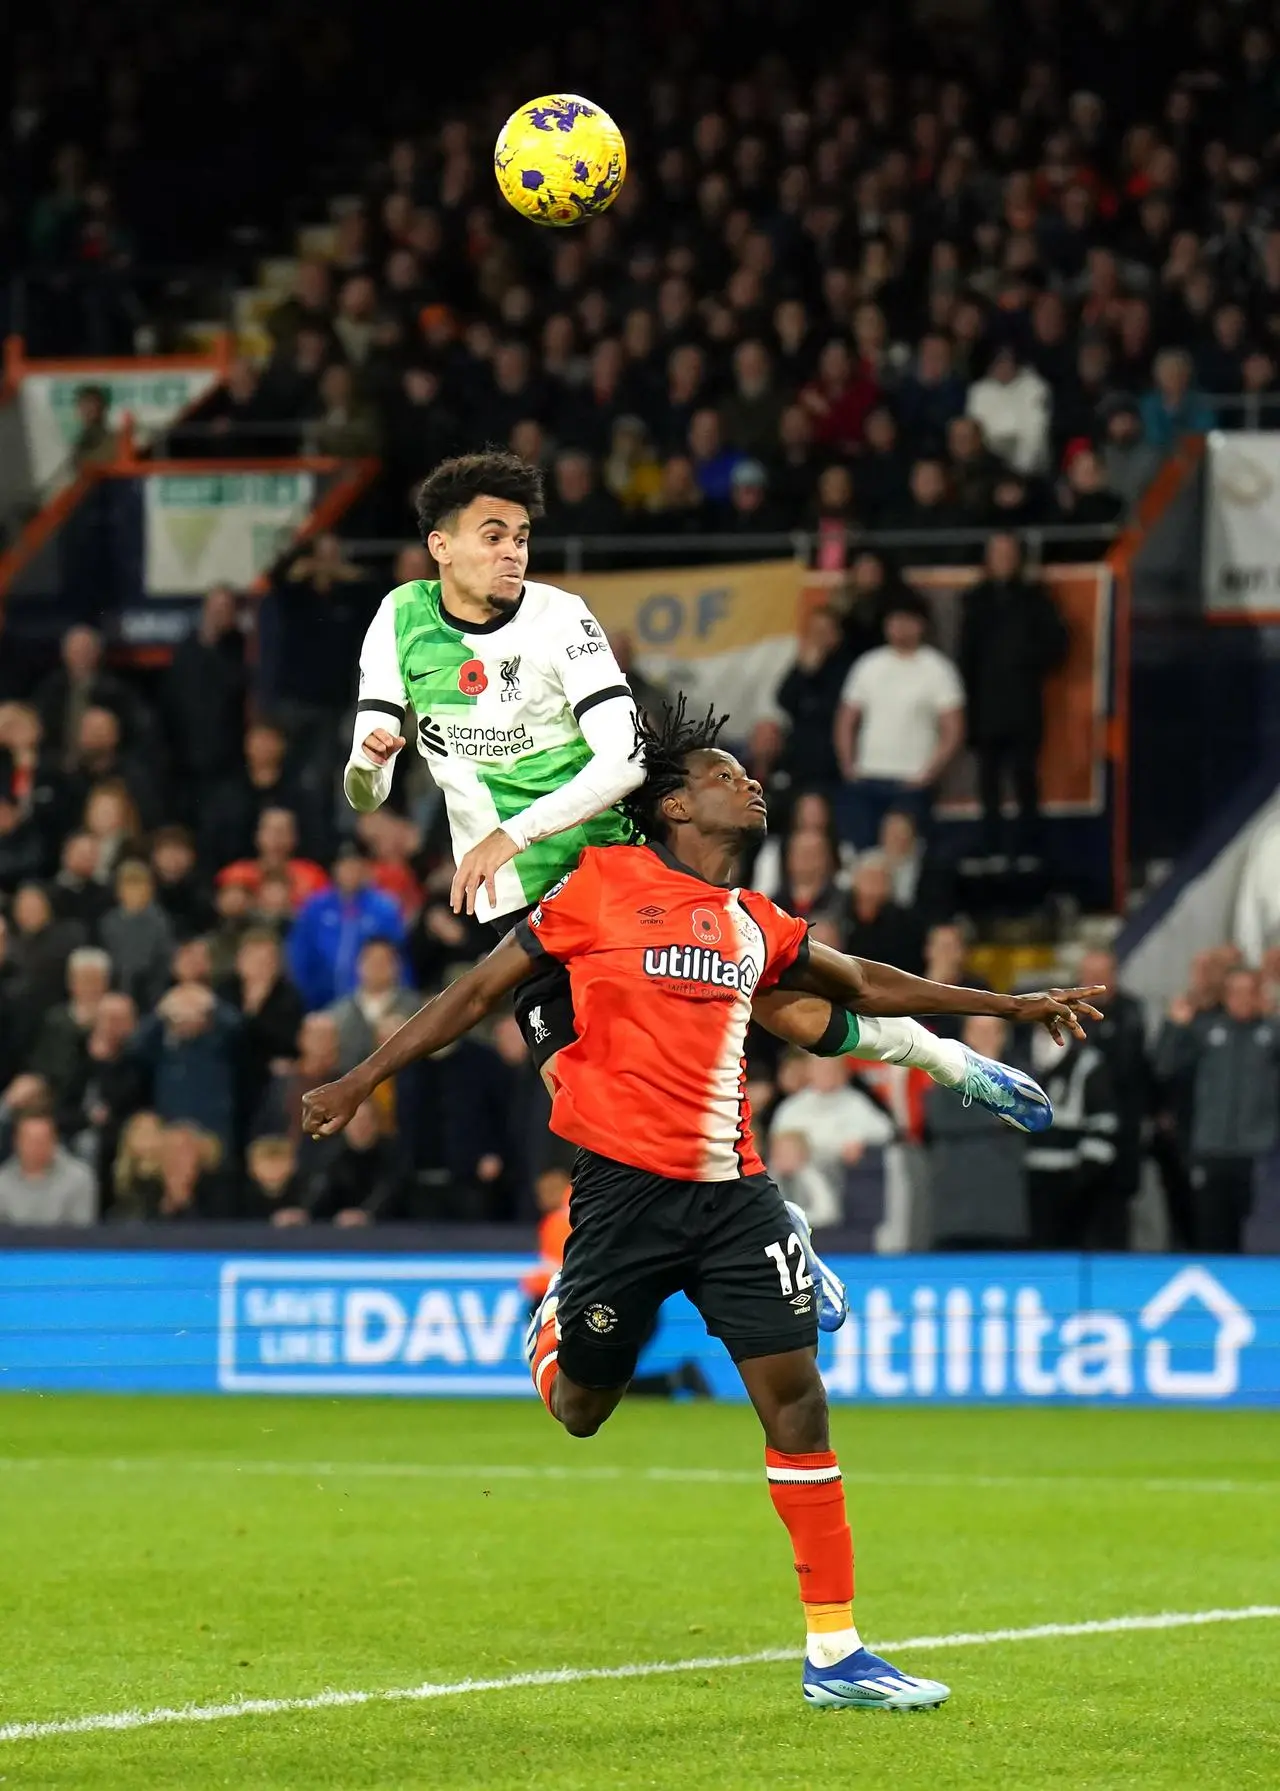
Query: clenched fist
[[327, 1109], [380, 747]]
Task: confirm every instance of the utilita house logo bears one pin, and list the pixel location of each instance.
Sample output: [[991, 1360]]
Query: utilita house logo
[[1002, 1342]]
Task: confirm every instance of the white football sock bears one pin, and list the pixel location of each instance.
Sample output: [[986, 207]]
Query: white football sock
[[908, 1042], [826, 1650]]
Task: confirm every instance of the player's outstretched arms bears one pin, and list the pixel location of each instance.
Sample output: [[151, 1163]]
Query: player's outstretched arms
[[880, 990], [327, 1109]]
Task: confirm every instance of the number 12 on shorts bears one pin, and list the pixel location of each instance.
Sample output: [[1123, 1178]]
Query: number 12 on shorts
[[779, 1253]]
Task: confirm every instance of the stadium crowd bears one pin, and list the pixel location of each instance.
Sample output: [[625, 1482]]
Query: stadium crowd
[[886, 289], [981, 290], [189, 941]]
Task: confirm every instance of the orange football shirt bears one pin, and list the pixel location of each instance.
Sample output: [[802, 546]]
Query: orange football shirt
[[663, 967]]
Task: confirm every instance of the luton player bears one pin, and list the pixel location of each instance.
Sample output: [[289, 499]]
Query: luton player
[[665, 956], [528, 725]]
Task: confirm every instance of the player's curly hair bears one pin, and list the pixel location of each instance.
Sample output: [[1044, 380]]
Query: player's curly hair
[[664, 747], [456, 483]]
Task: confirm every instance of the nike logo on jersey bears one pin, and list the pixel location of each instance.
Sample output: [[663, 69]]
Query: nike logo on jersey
[[417, 677]]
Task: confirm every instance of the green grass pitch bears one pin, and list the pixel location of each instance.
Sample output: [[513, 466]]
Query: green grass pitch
[[165, 1552]]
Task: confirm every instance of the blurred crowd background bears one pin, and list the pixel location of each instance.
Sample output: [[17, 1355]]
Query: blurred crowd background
[[964, 275]]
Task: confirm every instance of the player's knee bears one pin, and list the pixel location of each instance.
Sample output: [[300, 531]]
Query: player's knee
[[798, 1424], [581, 1423], [579, 1410]]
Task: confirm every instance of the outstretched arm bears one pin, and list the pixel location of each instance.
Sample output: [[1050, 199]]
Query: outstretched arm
[[878, 989], [327, 1109]]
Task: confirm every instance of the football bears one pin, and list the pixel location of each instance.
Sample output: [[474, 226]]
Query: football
[[560, 160]]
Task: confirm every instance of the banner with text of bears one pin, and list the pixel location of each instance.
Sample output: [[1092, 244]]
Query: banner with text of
[[152, 397], [722, 634], [933, 1330], [1073, 752], [1241, 569], [219, 528]]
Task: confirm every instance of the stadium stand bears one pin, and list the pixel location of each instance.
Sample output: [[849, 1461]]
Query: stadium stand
[[964, 283]]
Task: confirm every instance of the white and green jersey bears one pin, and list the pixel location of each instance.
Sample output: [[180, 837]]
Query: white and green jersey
[[527, 723]]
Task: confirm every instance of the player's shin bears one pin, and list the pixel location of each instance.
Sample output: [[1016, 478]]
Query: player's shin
[[808, 1495], [542, 1344], [545, 1364]]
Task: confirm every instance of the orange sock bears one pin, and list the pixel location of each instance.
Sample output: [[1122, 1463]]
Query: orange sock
[[545, 1365], [808, 1495]]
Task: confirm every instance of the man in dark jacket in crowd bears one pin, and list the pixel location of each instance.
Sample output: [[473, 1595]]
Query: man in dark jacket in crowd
[[1071, 1169], [19, 1017], [81, 683], [455, 1111], [1011, 638], [203, 697], [977, 1176], [875, 926], [1233, 1053], [1121, 1036], [809, 696], [189, 1047], [364, 1180], [310, 625], [229, 821]]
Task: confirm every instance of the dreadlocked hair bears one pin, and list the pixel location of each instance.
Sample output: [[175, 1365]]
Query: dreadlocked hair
[[663, 748]]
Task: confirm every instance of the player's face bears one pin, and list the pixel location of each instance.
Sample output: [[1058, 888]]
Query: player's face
[[484, 552], [722, 798]]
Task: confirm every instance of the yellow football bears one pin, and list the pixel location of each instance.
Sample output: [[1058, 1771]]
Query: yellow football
[[559, 160]]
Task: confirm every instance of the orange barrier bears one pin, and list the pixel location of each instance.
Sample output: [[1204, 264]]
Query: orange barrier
[[17, 363], [359, 475], [38, 531]]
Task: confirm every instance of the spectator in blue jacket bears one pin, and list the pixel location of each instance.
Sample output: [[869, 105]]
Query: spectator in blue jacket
[[333, 927], [1171, 409], [189, 1046]]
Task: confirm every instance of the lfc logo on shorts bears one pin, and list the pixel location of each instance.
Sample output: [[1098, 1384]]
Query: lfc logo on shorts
[[602, 1319], [706, 926]]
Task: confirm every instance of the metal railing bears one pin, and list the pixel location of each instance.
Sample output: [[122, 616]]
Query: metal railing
[[122, 310], [275, 436], [1245, 410], [578, 553]]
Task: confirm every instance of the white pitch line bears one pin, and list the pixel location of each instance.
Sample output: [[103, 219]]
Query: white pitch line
[[417, 1470], [118, 1720]]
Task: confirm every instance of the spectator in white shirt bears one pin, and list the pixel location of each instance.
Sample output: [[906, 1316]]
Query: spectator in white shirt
[[1012, 406], [837, 1121], [43, 1184], [899, 725]]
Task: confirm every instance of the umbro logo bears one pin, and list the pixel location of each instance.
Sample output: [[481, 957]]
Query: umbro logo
[[650, 916]]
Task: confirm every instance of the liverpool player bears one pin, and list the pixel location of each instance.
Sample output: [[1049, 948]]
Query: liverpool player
[[664, 956]]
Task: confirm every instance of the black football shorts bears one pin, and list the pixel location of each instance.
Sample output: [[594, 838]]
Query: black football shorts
[[543, 1002], [638, 1238]]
